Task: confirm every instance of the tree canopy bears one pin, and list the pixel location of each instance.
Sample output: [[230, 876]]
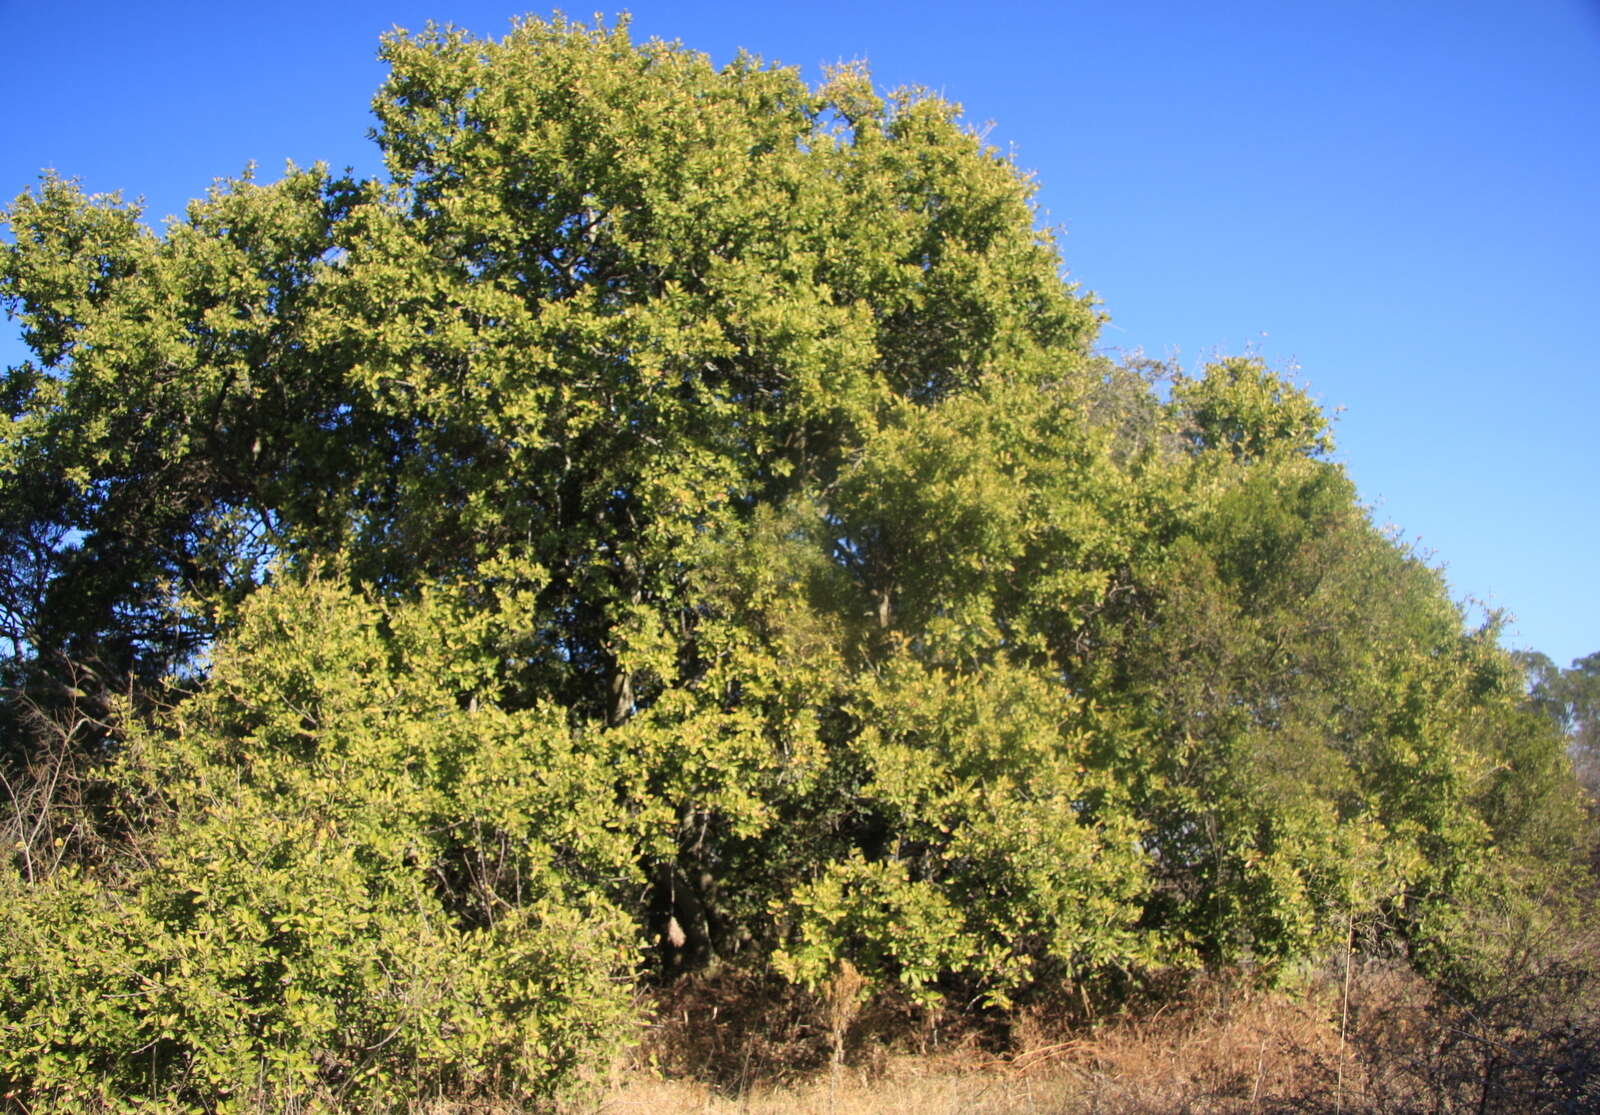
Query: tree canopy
[[689, 504]]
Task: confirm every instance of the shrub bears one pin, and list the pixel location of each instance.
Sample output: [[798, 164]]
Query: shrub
[[302, 906]]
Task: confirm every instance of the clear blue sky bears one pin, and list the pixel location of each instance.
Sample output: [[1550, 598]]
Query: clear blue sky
[[1398, 199]]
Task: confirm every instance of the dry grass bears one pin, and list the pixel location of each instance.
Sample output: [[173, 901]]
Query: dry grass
[[1218, 1046], [933, 1094], [1221, 1048]]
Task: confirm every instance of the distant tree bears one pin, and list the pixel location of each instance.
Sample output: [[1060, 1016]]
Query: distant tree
[[1571, 698], [1581, 688]]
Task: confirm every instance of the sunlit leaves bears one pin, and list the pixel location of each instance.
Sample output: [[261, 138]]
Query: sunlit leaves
[[678, 517]]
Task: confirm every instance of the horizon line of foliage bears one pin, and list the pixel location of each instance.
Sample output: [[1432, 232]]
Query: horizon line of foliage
[[680, 517]]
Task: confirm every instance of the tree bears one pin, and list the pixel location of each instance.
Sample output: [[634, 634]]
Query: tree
[[687, 499], [1571, 699]]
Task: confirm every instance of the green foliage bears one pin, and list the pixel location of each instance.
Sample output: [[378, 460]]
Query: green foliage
[[992, 855], [1242, 407], [1318, 741], [676, 518], [1571, 698], [310, 910]]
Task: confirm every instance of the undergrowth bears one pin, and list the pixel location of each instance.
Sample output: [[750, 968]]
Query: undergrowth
[[1386, 1041]]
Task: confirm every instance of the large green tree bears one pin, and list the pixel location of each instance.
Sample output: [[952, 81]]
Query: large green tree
[[690, 500]]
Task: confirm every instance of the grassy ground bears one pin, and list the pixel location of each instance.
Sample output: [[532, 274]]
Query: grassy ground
[[1203, 1057], [1387, 1043]]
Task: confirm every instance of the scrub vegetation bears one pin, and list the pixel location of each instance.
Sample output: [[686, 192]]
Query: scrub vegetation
[[672, 552]]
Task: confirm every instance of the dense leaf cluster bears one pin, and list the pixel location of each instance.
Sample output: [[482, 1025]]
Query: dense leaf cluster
[[679, 517]]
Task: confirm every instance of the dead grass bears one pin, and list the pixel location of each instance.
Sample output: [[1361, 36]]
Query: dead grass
[[1222, 1048], [1217, 1046], [933, 1094]]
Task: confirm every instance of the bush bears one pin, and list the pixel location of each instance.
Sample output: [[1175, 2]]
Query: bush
[[297, 910]]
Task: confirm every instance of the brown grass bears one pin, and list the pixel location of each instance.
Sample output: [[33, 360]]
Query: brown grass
[[1221, 1048], [1218, 1045]]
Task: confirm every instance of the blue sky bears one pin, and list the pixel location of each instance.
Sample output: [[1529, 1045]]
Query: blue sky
[[1398, 200]]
